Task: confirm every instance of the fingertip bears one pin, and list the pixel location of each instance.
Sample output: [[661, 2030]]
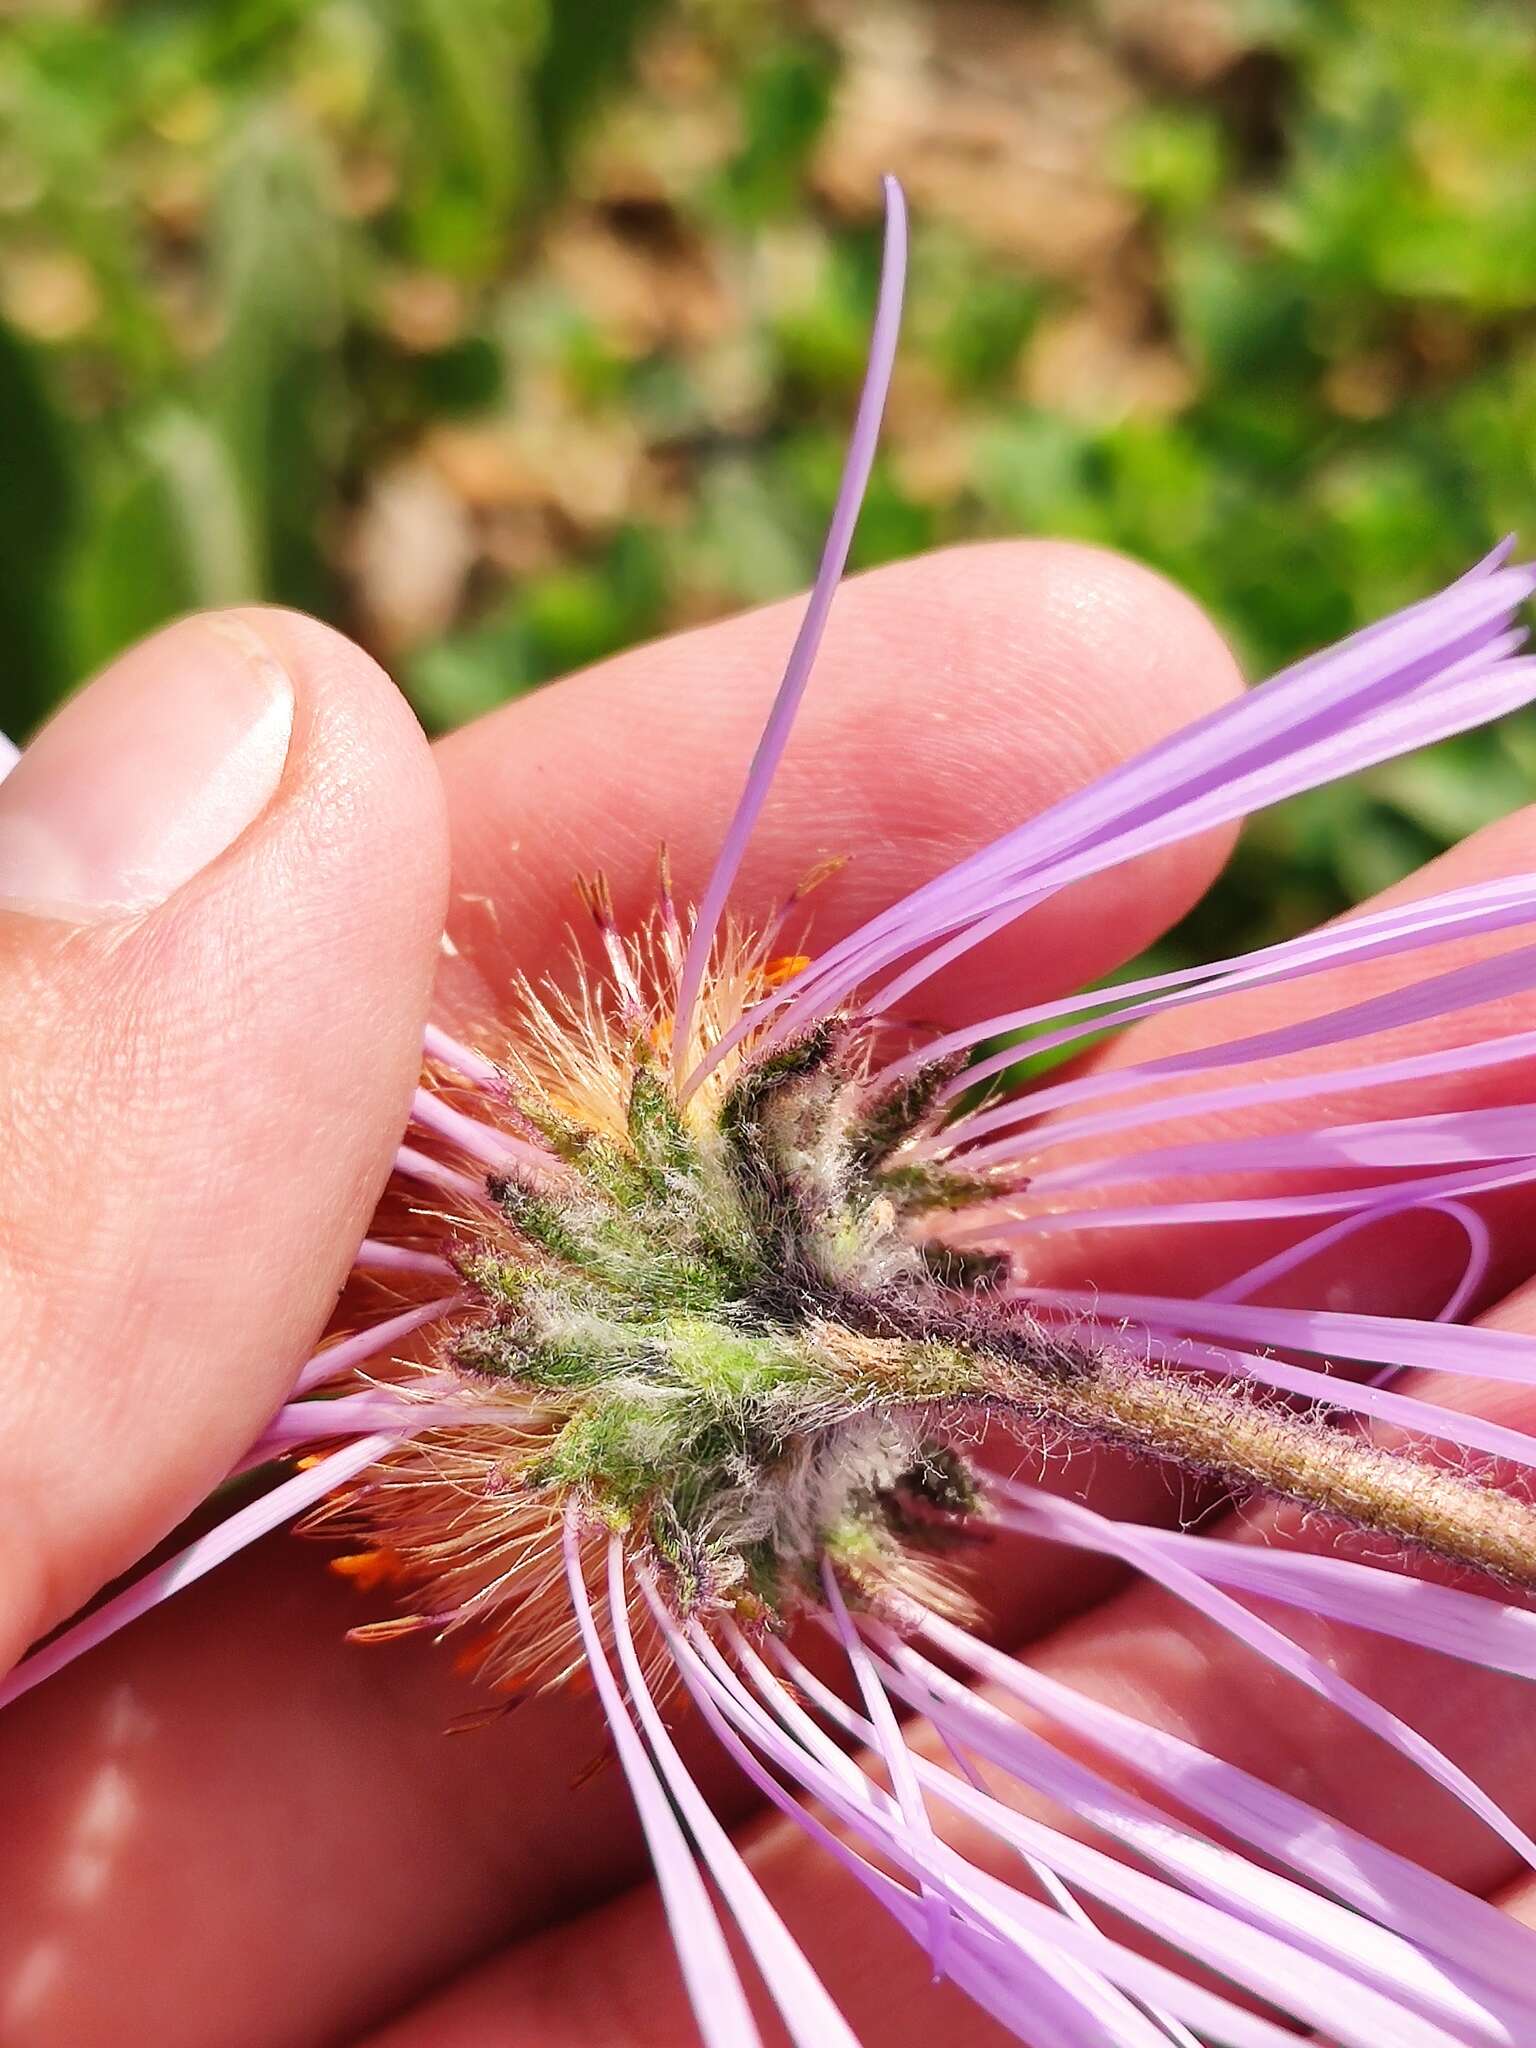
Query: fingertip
[[955, 696], [361, 763], [304, 959], [207, 1092]]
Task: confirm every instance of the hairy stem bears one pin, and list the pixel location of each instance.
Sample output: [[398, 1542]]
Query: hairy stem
[[1250, 1442]]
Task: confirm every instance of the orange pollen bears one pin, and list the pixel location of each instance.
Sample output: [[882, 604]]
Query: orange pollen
[[777, 972], [369, 1568]]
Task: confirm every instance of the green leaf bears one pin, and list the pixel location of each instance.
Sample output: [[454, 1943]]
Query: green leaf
[[132, 571], [272, 388]]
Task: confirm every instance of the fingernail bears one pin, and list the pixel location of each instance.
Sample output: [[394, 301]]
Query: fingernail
[[147, 775]]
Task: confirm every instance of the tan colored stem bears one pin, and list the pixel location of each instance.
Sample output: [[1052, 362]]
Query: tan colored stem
[[1247, 1441]]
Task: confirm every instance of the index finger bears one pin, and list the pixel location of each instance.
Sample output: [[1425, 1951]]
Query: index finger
[[954, 695]]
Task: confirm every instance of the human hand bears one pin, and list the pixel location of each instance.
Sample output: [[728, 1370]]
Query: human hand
[[227, 1826]]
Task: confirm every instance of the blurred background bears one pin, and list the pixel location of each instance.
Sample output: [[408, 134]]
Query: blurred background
[[504, 333]]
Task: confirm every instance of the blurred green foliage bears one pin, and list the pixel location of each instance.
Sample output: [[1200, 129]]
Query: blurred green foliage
[[506, 332]]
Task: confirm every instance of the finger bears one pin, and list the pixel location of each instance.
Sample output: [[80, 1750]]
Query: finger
[[538, 791], [608, 1978], [1409, 1263], [954, 696], [221, 877]]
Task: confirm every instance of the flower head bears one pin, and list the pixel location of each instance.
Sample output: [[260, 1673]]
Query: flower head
[[720, 1281]]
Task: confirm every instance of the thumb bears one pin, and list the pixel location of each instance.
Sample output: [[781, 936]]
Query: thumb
[[222, 877]]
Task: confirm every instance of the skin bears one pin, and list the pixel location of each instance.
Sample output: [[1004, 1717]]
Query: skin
[[227, 1826]]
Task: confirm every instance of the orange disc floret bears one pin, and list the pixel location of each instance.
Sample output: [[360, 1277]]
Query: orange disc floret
[[775, 973], [368, 1569]]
